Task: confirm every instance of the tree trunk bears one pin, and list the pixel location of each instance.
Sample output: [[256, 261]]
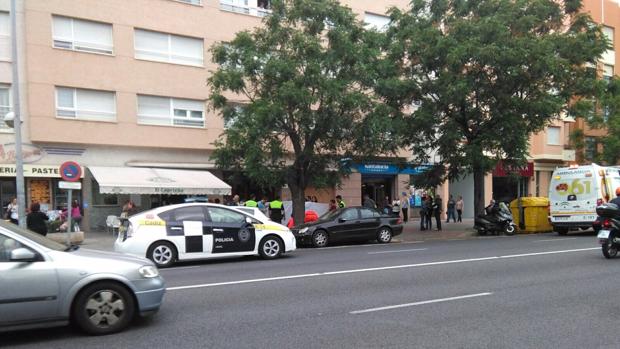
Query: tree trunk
[[478, 191], [298, 187]]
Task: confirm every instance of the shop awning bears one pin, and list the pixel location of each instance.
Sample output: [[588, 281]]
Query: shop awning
[[136, 180]]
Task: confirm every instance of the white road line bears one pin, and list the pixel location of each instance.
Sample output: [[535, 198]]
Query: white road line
[[177, 268], [421, 303], [396, 251], [392, 267], [555, 240]]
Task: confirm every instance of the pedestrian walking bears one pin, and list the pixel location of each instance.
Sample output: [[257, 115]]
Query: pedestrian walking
[[252, 202], [76, 215], [404, 206], [451, 209], [459, 208], [428, 212], [368, 202], [36, 220], [437, 209], [11, 211]]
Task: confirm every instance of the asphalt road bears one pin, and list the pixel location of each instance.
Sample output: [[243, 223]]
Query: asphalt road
[[531, 291]]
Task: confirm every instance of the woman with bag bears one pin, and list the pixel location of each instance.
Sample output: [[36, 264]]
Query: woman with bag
[[11, 212]]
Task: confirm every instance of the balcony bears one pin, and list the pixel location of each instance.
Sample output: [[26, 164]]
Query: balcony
[[259, 8]]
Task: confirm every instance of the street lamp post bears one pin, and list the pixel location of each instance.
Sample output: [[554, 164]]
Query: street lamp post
[[19, 161]]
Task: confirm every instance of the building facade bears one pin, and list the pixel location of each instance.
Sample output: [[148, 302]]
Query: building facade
[[121, 83]]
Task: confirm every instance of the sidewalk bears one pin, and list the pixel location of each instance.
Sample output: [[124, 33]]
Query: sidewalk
[[449, 231], [102, 240]]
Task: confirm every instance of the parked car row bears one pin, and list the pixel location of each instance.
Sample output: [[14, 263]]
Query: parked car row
[[44, 283]]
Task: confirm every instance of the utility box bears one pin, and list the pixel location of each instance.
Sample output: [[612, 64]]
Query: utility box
[[535, 212]]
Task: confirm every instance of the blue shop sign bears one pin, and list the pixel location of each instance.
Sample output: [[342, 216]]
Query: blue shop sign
[[379, 168]]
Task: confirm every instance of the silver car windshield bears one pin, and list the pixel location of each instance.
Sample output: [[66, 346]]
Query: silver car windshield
[[39, 239]]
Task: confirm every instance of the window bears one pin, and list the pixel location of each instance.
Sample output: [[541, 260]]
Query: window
[[591, 148], [349, 214], [609, 33], [164, 111], [376, 22], [80, 35], [7, 245], [222, 215], [259, 8], [189, 213], [162, 47], [608, 71], [5, 106], [77, 103], [368, 213], [102, 199], [553, 135], [5, 37]]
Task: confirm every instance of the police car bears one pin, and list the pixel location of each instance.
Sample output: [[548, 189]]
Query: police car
[[199, 231]]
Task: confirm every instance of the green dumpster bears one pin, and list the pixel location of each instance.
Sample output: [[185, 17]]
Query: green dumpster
[[535, 212]]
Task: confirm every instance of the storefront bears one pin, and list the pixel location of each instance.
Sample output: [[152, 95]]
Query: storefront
[[41, 186], [510, 183], [108, 188]]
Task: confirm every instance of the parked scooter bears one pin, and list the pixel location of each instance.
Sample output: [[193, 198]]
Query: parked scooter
[[609, 234], [495, 222]]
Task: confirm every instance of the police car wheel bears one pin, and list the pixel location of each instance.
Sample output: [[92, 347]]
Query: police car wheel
[[271, 247], [162, 253], [103, 308]]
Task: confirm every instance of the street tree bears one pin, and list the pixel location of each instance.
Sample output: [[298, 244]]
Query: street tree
[[303, 105], [488, 73], [605, 114]]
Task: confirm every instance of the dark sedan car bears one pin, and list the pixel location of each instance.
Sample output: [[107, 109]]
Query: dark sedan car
[[349, 224]]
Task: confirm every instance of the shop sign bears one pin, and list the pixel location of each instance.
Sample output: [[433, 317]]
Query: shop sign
[[379, 168], [70, 185], [502, 170], [31, 171], [30, 153]]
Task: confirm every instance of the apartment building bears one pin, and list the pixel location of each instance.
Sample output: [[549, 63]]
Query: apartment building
[[120, 87]]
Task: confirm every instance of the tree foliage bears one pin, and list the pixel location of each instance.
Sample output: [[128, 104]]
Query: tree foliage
[[302, 79], [488, 73], [606, 114]]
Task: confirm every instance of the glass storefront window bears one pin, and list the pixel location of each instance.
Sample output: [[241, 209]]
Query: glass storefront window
[[103, 199]]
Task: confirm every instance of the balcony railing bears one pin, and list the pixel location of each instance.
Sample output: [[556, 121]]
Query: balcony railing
[[245, 9]]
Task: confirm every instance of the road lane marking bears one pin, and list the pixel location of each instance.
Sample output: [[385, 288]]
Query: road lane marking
[[396, 251], [392, 267], [389, 307], [555, 240]]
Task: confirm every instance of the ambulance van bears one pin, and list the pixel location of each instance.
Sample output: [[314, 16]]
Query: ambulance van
[[574, 193]]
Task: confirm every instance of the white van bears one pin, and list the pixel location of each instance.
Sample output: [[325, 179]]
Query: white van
[[574, 193]]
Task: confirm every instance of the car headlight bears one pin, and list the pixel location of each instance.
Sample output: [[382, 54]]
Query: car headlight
[[149, 271], [303, 230]]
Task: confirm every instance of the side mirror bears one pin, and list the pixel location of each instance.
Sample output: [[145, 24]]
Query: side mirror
[[341, 220], [248, 220], [23, 255]]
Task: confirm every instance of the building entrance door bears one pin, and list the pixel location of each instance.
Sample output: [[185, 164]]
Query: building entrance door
[[378, 188]]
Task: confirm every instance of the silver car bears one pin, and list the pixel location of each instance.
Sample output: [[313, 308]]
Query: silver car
[[44, 283]]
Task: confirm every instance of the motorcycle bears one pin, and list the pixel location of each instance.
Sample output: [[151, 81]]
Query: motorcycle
[[497, 221], [609, 234]]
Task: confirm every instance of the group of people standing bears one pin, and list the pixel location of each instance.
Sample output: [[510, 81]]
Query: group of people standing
[[40, 222], [433, 207]]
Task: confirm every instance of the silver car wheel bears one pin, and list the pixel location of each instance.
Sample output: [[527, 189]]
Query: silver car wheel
[[385, 235], [105, 308], [271, 248], [162, 254]]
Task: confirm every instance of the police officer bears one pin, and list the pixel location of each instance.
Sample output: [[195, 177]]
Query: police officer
[[340, 202], [252, 202], [276, 210]]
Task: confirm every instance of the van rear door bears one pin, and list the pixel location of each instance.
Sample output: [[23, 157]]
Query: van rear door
[[573, 194]]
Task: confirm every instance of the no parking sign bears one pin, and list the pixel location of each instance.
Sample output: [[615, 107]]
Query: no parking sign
[[70, 171]]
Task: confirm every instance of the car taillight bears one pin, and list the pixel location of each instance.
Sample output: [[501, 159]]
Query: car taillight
[[599, 202], [607, 223]]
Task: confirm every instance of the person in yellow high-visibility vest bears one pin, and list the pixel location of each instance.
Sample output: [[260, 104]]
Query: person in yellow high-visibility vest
[[252, 202], [276, 210]]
